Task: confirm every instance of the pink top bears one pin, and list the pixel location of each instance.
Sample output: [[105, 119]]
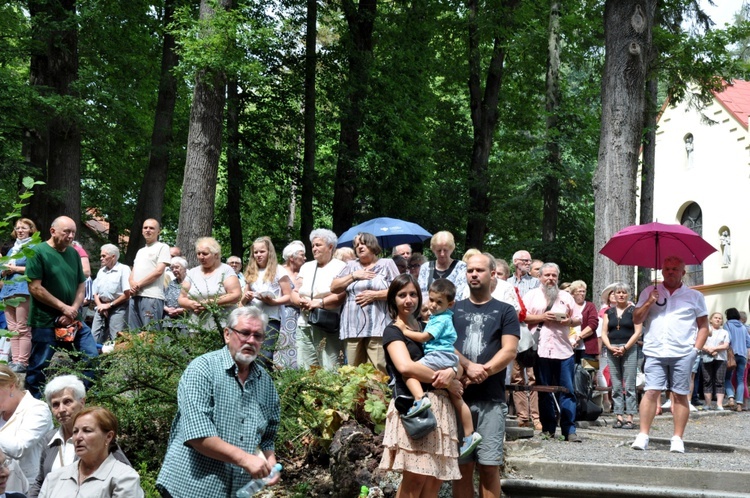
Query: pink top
[[553, 336]]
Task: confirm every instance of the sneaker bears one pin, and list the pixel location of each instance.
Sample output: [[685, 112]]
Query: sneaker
[[419, 406], [573, 438], [667, 405], [692, 408], [641, 442], [677, 445], [470, 444], [18, 368], [719, 408]]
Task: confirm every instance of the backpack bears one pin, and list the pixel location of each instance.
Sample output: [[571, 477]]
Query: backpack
[[586, 409]]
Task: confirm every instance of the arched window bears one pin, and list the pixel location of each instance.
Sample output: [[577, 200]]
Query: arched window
[[692, 217]]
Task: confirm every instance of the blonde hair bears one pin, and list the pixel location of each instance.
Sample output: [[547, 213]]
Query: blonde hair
[[8, 377], [25, 221], [443, 237], [252, 270], [471, 253]]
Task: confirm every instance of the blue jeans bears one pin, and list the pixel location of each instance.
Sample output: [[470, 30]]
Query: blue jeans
[[740, 372], [43, 346], [552, 372]]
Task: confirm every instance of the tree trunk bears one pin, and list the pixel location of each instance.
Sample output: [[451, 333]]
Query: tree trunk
[[203, 153], [56, 148], [234, 175], [484, 116], [361, 21], [554, 159], [647, 168], [627, 29], [151, 197], [308, 160]]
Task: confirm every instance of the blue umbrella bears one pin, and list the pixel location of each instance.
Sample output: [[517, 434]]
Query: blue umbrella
[[390, 232]]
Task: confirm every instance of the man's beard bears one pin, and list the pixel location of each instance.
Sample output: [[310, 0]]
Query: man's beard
[[551, 292], [244, 359]]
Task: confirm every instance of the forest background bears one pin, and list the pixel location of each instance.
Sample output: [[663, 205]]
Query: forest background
[[242, 118]]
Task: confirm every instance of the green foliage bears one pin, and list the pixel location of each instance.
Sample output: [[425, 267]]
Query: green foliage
[[315, 403]]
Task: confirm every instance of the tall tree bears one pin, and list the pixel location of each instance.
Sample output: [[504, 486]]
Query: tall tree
[[308, 157], [55, 148], [204, 144], [360, 19], [151, 197], [628, 28], [234, 172], [484, 112], [551, 186]]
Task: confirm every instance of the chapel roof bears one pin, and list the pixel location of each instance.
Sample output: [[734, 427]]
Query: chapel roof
[[736, 100]]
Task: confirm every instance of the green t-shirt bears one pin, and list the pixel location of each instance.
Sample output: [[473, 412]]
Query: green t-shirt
[[61, 273]]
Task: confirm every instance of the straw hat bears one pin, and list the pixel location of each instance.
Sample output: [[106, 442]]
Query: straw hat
[[607, 291]]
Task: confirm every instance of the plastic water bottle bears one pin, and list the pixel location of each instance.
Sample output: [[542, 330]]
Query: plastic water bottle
[[256, 485]]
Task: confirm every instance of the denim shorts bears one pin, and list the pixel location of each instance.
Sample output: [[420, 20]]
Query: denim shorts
[[669, 373], [489, 421]]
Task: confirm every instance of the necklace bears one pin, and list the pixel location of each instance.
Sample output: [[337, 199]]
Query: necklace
[[619, 314]]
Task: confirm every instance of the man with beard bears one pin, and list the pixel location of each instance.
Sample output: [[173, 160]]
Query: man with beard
[[227, 409], [487, 339], [551, 312]]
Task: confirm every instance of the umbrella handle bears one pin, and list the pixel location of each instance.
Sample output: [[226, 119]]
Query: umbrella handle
[[661, 303]]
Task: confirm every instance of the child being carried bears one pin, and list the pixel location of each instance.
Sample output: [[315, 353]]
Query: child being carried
[[438, 338]]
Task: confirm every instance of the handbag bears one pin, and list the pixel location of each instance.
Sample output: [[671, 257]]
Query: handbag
[[67, 333], [731, 360], [325, 319], [420, 425]]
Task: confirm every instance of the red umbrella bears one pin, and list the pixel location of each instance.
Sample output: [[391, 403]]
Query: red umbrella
[[648, 245]]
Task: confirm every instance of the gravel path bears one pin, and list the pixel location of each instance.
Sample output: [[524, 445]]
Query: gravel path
[[606, 445]]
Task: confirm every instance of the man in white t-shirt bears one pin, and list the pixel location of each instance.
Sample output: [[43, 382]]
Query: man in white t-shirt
[[675, 325], [147, 278]]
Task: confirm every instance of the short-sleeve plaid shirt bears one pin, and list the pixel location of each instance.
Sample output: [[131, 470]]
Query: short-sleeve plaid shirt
[[212, 401]]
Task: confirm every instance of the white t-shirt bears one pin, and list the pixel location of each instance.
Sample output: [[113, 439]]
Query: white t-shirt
[[146, 260], [716, 338], [260, 285], [323, 280]]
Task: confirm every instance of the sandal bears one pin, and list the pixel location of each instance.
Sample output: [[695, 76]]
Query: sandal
[[627, 425], [618, 425]]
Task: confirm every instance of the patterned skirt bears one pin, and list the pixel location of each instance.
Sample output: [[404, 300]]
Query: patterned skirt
[[285, 355], [434, 455]]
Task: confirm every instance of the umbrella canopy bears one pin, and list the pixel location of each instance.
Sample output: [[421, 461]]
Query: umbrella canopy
[[648, 245], [390, 232]]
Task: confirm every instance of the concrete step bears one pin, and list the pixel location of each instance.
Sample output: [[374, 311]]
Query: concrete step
[[543, 478]]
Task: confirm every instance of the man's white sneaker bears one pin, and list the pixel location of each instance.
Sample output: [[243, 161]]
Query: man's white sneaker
[[692, 408], [677, 445], [667, 405], [641, 442]]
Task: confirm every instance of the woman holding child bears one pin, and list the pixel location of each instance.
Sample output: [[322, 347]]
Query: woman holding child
[[429, 461]]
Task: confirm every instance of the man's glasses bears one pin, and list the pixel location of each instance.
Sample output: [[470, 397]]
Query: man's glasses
[[5, 464], [414, 267], [524, 260], [247, 335]]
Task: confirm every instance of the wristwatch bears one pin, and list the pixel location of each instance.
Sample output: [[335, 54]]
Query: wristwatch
[[455, 369]]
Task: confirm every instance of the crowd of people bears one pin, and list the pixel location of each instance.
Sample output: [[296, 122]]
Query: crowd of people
[[451, 334]]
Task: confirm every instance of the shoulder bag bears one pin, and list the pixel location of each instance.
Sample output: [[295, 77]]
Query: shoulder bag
[[327, 320]]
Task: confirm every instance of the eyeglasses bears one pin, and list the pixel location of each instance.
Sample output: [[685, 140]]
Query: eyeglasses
[[247, 335], [5, 464], [524, 260], [413, 267]]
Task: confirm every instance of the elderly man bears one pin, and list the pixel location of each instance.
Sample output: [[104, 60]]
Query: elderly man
[[552, 312], [111, 293], [66, 396], [527, 404], [146, 279], [536, 266], [403, 250], [57, 290], [227, 410], [236, 263], [488, 332], [675, 329]]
